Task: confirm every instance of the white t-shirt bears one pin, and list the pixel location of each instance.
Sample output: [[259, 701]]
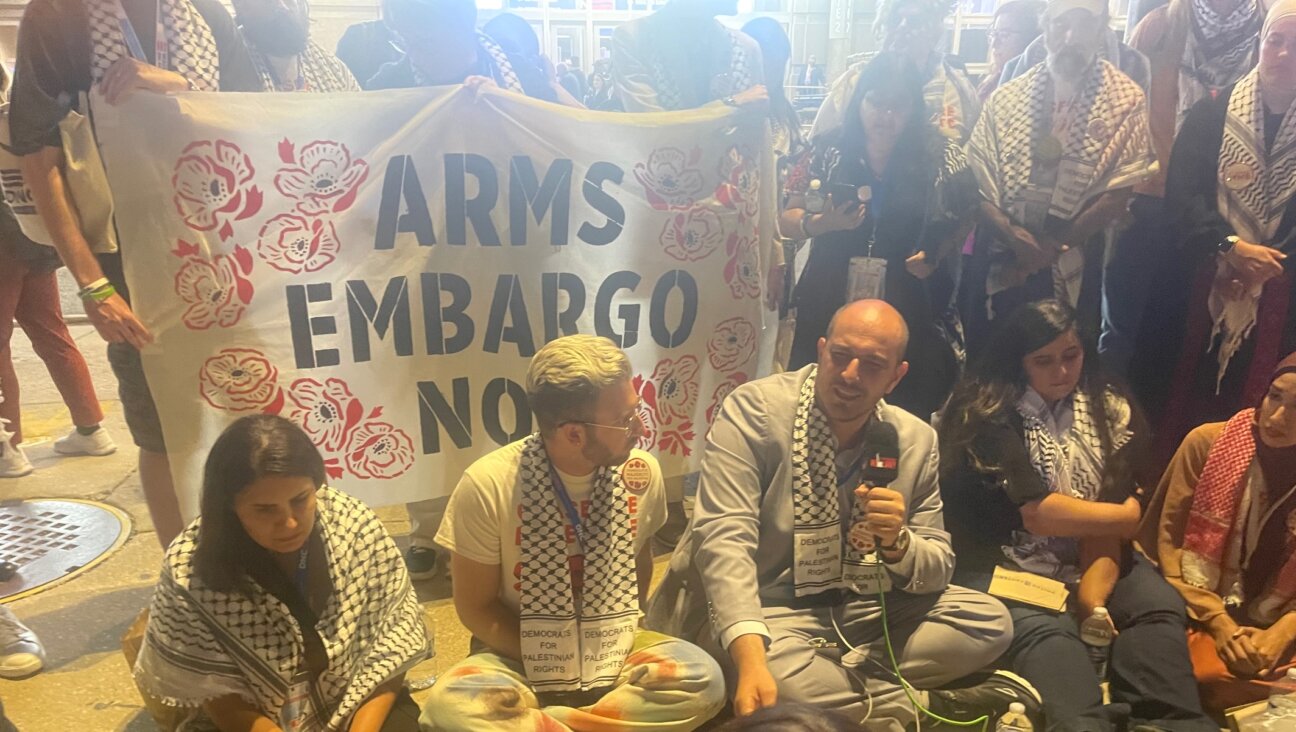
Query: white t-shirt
[[483, 519]]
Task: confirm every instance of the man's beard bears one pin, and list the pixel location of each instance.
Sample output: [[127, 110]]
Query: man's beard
[[1070, 63], [280, 35], [603, 456]]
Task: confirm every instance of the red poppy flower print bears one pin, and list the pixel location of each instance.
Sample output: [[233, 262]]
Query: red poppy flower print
[[676, 386], [327, 411], [732, 344], [678, 440], [322, 177], [238, 380], [647, 412], [379, 451], [734, 381], [294, 244], [217, 291], [692, 235], [742, 271], [670, 177], [739, 182], [213, 186]]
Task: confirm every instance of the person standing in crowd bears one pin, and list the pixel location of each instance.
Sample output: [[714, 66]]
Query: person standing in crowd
[[781, 471], [1219, 527], [1222, 316], [812, 75], [1196, 48], [442, 46], [891, 241], [1110, 48], [518, 38], [64, 48], [550, 538], [368, 46], [912, 28], [1038, 453], [29, 294], [1055, 154], [1016, 24], [277, 33], [286, 604], [681, 57], [600, 93]]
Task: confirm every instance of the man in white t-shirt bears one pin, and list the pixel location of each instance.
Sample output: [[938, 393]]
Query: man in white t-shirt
[[550, 543]]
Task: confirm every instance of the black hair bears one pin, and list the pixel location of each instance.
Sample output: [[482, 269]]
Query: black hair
[[791, 717], [773, 41], [997, 379], [250, 448], [515, 34], [893, 75], [460, 14]]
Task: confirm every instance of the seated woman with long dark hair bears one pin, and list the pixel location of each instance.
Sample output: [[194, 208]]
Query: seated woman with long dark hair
[[286, 605], [1038, 450], [898, 194]]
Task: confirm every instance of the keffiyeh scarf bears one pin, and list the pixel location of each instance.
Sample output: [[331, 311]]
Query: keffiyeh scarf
[[1066, 450], [201, 644], [1105, 148], [501, 67], [949, 96], [1253, 189], [320, 71], [563, 649], [816, 505], [1212, 546], [1218, 50], [190, 43], [740, 76]]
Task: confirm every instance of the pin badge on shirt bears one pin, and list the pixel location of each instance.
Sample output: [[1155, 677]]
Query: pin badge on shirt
[[1238, 176], [636, 475]]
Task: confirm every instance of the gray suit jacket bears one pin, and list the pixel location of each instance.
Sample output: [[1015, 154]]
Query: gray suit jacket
[[737, 552]]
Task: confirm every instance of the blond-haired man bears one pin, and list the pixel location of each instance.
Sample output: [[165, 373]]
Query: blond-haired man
[[549, 539]]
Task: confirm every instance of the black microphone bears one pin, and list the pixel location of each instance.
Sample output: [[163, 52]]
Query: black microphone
[[881, 453], [881, 456]]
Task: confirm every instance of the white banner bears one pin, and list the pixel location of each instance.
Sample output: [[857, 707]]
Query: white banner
[[380, 267]]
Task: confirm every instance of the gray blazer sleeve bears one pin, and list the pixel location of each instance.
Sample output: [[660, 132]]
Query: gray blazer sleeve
[[929, 564], [726, 518]]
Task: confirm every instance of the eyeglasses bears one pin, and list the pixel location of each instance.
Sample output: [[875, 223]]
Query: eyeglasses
[[631, 424]]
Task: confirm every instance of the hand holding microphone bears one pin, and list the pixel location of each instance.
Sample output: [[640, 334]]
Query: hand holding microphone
[[884, 512]]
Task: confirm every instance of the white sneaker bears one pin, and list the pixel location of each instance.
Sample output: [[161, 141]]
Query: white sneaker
[[95, 443], [13, 462], [21, 653]]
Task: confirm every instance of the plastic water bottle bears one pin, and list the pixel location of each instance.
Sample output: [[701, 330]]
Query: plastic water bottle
[[1097, 633], [1282, 695], [814, 198], [1015, 720]]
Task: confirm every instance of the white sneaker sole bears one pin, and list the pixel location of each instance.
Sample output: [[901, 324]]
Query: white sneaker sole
[[72, 452], [25, 665], [18, 473]]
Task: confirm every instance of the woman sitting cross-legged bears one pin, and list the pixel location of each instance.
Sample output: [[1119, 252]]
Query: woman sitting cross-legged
[[1223, 528], [286, 606], [1038, 451]]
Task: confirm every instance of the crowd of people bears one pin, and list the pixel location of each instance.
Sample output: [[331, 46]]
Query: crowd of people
[[1039, 332]]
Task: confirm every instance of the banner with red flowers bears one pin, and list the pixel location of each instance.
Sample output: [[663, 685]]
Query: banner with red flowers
[[380, 267]]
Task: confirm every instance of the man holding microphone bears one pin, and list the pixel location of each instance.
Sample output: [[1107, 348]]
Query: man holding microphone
[[795, 546]]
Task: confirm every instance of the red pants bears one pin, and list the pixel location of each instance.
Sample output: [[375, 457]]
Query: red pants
[[32, 298], [1220, 689]]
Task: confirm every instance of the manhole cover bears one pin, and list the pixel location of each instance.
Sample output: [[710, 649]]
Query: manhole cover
[[53, 540]]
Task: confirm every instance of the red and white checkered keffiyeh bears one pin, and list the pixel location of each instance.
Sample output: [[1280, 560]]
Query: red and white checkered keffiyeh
[[1217, 500]]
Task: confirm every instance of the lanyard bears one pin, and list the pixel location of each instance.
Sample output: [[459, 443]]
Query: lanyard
[[842, 480], [560, 490], [299, 577], [161, 52]]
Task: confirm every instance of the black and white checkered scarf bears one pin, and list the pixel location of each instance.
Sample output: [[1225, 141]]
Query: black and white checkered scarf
[[501, 67], [611, 585], [1253, 205], [1218, 50], [816, 504], [202, 644], [1069, 458], [190, 42], [321, 70], [741, 76]]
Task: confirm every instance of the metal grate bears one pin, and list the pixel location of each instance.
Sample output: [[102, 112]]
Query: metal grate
[[50, 540]]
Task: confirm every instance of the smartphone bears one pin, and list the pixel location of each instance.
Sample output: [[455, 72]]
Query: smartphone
[[844, 192]]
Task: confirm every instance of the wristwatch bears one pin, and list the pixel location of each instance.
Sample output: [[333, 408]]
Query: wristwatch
[[900, 546], [1226, 246]]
